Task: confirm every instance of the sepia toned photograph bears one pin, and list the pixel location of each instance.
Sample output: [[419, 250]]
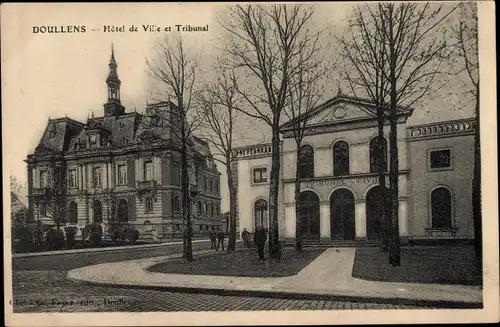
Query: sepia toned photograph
[[249, 163]]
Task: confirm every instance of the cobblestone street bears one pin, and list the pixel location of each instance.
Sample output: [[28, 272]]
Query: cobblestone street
[[49, 291]]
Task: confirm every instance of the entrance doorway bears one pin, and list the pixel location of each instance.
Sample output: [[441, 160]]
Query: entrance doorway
[[377, 205], [309, 216], [342, 215]]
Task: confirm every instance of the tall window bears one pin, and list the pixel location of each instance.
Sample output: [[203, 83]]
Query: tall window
[[122, 174], [200, 208], [73, 212], [123, 211], [306, 166], [261, 213], [177, 204], [211, 209], [176, 174], [148, 170], [441, 208], [260, 175], [72, 178], [97, 212], [218, 210], [378, 155], [205, 208], [205, 182], [216, 186], [211, 185], [148, 205], [340, 158], [43, 179], [96, 174]]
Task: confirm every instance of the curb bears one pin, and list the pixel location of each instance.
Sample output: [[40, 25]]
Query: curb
[[442, 304], [103, 249]]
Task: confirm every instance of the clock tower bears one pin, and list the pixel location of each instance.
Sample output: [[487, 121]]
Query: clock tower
[[113, 107]]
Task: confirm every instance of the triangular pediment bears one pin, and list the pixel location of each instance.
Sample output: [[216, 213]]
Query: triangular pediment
[[339, 109]]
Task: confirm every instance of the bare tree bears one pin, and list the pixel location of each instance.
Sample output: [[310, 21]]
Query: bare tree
[[364, 68], [217, 106], [263, 43], [306, 89], [466, 33], [406, 37], [174, 68], [56, 192]]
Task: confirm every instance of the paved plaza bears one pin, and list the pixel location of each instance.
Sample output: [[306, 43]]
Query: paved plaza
[[41, 284]]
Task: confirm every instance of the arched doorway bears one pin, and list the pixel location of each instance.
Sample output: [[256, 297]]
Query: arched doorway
[[97, 212], [342, 215], [376, 210], [308, 226], [261, 215], [122, 211]]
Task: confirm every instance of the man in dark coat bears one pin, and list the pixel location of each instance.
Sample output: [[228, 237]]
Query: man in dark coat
[[244, 236], [212, 238], [259, 238], [220, 239]]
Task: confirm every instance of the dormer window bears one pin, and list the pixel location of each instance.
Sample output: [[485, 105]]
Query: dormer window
[[52, 131], [93, 139]]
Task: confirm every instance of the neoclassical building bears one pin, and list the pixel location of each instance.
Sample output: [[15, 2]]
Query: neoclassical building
[[340, 196], [125, 161]]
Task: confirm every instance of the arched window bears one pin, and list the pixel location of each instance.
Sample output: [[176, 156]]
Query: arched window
[[205, 209], [200, 208], [340, 158], [97, 212], [306, 159], [211, 185], [378, 155], [261, 214], [177, 204], [73, 212], [441, 208], [123, 211]]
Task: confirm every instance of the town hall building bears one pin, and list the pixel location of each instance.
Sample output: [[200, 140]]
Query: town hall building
[[340, 196], [123, 160]]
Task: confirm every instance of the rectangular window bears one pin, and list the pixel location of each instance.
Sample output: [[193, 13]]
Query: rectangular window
[[122, 174], [96, 175], [260, 175], [176, 174], [149, 205], [43, 178], [72, 178], [440, 159], [148, 170]]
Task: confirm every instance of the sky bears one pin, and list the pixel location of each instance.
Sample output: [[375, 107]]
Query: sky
[[54, 75]]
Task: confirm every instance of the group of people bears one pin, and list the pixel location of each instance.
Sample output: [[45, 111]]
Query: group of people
[[259, 239], [216, 239]]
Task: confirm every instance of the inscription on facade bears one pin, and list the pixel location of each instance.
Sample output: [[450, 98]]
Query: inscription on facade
[[337, 182]]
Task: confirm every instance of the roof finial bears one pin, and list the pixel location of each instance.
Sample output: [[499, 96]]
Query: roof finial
[[112, 51], [92, 115]]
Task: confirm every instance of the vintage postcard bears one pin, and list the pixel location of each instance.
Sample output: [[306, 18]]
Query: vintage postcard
[[249, 163]]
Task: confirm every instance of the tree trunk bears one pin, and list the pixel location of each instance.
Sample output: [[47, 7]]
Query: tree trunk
[[232, 209], [381, 167], [186, 203], [394, 253], [298, 236], [476, 190], [274, 246]]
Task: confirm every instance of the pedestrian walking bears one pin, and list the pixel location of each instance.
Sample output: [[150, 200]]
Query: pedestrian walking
[[244, 236], [259, 238], [213, 237], [220, 240]]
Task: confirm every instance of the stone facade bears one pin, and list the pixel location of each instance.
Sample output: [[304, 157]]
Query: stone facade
[[121, 160], [341, 193]]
